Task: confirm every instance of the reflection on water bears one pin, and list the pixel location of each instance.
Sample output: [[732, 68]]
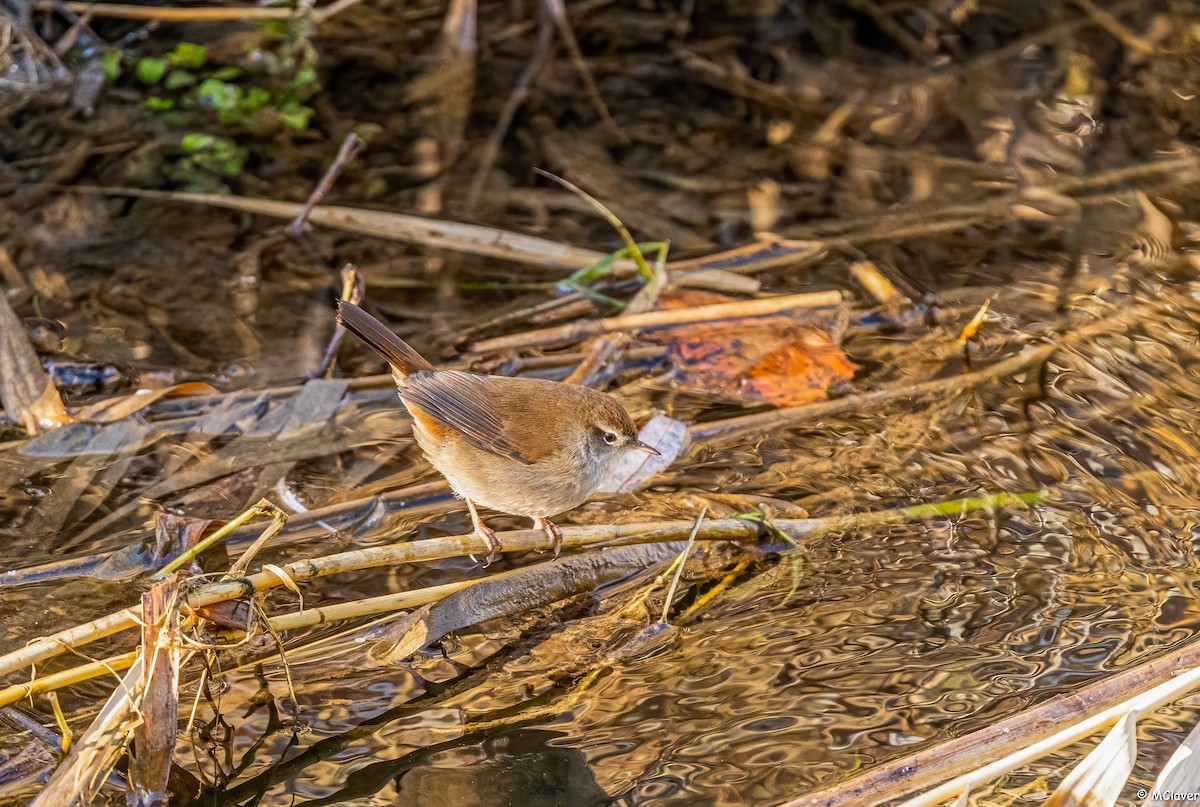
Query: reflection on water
[[877, 641], [888, 639], [893, 637]]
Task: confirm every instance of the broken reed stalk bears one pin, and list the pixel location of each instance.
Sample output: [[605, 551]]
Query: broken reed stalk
[[730, 529], [144, 704], [354, 287], [79, 776], [654, 320], [64, 678], [1152, 684], [294, 620], [154, 735], [263, 508]]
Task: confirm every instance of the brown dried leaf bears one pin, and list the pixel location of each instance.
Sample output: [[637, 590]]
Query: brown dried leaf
[[782, 359], [26, 391], [114, 409]]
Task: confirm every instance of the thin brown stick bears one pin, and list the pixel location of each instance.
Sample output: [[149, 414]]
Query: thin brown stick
[[895, 30], [332, 10], [557, 10], [654, 320], [516, 98], [125, 11], [354, 286], [350, 149]]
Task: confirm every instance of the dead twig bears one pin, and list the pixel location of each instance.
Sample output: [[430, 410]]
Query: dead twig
[[516, 98], [1108, 22], [655, 320], [558, 13], [351, 147], [353, 288]]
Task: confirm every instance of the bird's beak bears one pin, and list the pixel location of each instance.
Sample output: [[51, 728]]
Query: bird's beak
[[638, 445]]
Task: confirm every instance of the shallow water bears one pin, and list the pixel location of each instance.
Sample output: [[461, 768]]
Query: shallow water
[[813, 664]]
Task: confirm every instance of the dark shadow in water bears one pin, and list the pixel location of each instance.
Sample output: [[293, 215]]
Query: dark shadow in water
[[522, 768]]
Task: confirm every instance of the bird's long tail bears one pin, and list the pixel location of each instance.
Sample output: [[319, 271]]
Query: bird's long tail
[[404, 360]]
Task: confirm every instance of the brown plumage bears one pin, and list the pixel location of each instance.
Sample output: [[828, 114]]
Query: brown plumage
[[524, 446]]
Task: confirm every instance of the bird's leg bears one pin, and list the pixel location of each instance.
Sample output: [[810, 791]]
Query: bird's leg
[[485, 532], [553, 532]]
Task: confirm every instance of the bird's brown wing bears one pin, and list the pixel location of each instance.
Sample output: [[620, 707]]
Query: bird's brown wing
[[461, 401]]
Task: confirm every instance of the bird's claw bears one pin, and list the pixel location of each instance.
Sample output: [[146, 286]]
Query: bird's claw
[[491, 541], [553, 532]]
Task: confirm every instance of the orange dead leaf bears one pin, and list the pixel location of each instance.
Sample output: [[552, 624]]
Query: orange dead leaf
[[781, 359]]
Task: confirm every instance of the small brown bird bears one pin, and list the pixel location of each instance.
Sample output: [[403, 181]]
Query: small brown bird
[[524, 446]]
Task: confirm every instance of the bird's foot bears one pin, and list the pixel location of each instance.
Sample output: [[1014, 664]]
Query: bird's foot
[[491, 540], [553, 532], [486, 534]]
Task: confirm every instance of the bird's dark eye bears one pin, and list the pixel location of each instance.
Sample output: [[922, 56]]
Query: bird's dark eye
[[610, 438]]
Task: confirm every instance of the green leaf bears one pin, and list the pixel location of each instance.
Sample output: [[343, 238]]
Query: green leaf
[[368, 131], [219, 95], [227, 73], [112, 65], [255, 99], [305, 77], [294, 115], [187, 54], [158, 104], [196, 141], [150, 70], [178, 79]]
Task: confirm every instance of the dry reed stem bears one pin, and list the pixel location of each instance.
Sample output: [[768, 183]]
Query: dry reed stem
[[48, 647], [653, 320], [63, 678], [124, 11], [294, 620], [730, 529], [488, 242], [1109, 23]]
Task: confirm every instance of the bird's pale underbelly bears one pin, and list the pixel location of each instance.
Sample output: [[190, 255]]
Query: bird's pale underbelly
[[551, 486]]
